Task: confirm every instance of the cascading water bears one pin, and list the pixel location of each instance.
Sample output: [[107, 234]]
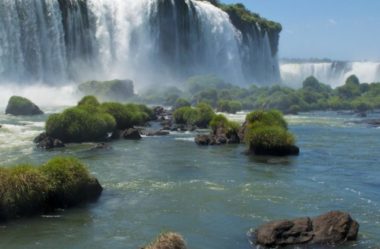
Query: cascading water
[[332, 73], [152, 41]]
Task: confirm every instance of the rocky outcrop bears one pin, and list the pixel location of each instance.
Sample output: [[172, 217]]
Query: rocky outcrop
[[20, 106], [332, 228], [43, 141], [218, 136], [131, 134]]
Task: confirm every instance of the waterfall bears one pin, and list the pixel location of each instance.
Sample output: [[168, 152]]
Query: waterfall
[[333, 73], [149, 41]]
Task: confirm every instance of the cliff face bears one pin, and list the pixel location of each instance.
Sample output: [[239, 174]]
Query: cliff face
[[147, 40]]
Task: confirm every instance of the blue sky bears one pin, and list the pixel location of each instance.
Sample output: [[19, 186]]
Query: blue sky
[[336, 29]]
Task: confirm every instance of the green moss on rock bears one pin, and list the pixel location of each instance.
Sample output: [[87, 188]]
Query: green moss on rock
[[27, 190], [22, 106]]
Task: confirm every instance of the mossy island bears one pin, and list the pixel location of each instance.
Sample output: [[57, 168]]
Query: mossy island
[[91, 121], [118, 90], [20, 106], [62, 182]]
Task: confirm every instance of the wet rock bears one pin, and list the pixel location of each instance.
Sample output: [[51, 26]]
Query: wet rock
[[43, 141], [132, 134], [102, 146], [203, 140], [22, 106], [168, 240], [155, 133], [332, 228]]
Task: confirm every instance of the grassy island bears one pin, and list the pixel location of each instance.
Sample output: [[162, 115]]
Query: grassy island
[[62, 182], [91, 121]]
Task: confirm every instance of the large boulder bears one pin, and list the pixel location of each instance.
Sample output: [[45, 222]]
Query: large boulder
[[332, 228], [19, 106]]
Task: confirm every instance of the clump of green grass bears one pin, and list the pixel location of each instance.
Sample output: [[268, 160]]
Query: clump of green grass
[[267, 133], [200, 115], [91, 121], [62, 182]]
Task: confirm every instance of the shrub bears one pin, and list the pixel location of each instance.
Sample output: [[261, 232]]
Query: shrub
[[91, 121], [79, 124], [200, 116], [23, 190], [89, 101], [268, 137], [62, 182], [69, 181], [181, 103], [229, 106], [220, 121], [267, 133], [268, 118]]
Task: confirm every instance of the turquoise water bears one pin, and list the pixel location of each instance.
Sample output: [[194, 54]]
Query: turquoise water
[[211, 195]]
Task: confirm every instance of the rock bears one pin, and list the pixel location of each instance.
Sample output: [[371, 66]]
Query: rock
[[290, 150], [168, 240], [218, 137], [132, 134], [45, 142], [332, 228], [203, 139], [102, 146], [155, 133], [21, 106]]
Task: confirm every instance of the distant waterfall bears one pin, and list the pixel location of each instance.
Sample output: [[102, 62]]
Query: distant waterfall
[[332, 73], [153, 41]]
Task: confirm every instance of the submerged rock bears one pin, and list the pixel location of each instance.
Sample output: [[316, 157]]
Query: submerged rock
[[131, 134], [167, 240], [19, 106], [102, 146], [332, 228]]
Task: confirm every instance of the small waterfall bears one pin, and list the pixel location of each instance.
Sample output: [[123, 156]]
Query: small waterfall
[[332, 73], [154, 41]]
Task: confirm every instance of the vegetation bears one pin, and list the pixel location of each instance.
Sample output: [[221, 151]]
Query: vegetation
[[200, 115], [312, 96], [221, 122], [91, 121], [61, 182], [267, 133], [108, 90], [22, 106]]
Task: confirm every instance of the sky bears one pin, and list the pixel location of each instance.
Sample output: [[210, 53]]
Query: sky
[[335, 29]]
